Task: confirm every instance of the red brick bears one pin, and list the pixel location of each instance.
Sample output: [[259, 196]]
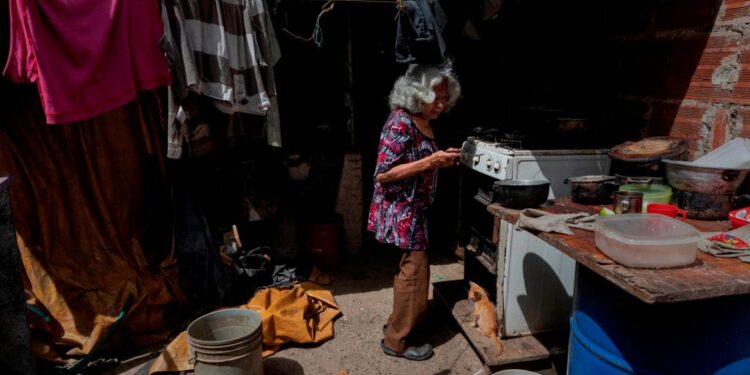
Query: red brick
[[734, 9], [687, 124], [719, 130], [745, 114], [718, 47]]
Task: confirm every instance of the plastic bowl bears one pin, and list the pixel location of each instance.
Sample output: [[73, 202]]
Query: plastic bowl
[[739, 217], [647, 240]]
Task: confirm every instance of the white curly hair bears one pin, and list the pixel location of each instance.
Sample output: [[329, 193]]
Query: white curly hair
[[415, 87]]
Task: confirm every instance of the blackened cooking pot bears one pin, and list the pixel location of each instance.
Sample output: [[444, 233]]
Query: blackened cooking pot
[[521, 193], [593, 189]]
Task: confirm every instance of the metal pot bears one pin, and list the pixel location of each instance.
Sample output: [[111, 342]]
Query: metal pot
[[521, 193], [628, 160], [594, 189], [704, 206], [686, 176]]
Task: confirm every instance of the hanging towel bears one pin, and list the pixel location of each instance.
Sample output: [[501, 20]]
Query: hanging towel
[[225, 50], [87, 57]]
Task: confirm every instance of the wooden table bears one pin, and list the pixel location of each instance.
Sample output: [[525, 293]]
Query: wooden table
[[707, 277], [690, 319]]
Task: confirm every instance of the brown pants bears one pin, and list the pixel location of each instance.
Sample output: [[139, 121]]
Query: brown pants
[[411, 285]]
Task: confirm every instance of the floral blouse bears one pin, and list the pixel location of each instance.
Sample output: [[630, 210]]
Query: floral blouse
[[398, 209]]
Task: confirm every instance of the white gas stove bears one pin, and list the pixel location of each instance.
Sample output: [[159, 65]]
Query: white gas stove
[[532, 281], [496, 160]]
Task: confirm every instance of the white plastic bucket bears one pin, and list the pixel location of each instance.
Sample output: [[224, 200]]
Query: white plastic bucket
[[227, 342]]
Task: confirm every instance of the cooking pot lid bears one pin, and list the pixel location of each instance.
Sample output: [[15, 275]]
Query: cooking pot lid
[[650, 149]]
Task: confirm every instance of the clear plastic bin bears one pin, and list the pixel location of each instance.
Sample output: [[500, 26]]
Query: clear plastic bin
[[647, 240]]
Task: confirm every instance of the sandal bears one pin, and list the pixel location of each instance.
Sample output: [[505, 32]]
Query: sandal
[[413, 353]]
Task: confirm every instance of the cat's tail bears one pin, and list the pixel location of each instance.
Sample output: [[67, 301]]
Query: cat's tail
[[498, 345]]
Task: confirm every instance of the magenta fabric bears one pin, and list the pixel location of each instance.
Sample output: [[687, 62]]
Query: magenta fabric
[[398, 210], [86, 56]]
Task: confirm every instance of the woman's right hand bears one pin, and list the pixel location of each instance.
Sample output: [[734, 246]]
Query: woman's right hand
[[447, 158]]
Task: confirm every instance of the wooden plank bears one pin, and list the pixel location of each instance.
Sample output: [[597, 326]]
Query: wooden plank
[[518, 350], [707, 277]]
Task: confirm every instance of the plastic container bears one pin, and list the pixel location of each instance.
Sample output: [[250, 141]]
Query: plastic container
[[612, 332], [739, 217], [652, 193], [647, 240], [734, 154]]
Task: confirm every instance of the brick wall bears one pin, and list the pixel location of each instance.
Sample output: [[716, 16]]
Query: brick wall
[[688, 72], [637, 67]]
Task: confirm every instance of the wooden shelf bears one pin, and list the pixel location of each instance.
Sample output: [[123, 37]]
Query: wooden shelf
[[518, 350]]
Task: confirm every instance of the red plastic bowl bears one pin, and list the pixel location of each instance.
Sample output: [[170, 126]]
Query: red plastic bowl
[[739, 217]]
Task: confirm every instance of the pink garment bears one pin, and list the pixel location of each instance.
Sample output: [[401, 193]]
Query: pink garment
[[86, 56]]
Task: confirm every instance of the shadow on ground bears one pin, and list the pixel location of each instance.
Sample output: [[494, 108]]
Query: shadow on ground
[[282, 366]]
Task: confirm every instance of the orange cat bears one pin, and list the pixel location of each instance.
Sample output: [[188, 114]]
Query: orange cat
[[485, 318]]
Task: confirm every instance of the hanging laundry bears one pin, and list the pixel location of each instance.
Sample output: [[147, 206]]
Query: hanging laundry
[[222, 49], [419, 32], [234, 49], [87, 57]]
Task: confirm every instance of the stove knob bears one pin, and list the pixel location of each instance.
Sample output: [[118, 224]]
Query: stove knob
[[489, 164], [475, 160], [497, 167]]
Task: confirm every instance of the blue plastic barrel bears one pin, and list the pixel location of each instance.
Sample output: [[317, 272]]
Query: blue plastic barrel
[[613, 332]]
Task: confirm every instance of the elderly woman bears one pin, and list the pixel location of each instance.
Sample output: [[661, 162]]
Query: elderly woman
[[405, 182]]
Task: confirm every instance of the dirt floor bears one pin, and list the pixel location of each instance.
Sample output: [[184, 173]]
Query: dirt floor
[[363, 289]]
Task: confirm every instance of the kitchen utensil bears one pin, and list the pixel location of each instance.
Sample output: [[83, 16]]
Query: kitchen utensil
[[688, 176], [647, 240], [521, 193], [626, 202], [666, 210], [652, 193], [593, 189], [739, 217], [704, 206]]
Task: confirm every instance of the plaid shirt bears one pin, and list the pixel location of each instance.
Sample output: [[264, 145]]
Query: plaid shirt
[[398, 209], [228, 49]]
